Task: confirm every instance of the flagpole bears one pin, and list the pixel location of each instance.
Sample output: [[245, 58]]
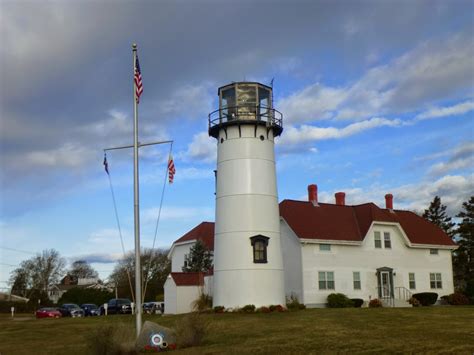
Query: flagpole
[[138, 278]]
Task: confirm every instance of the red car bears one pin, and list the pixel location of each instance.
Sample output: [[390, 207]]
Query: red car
[[48, 313]]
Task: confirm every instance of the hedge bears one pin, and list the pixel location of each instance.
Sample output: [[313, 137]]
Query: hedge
[[426, 298]]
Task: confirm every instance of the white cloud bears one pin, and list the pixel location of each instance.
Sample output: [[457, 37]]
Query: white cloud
[[315, 102], [462, 157], [435, 70], [453, 190], [436, 112], [202, 147], [176, 213], [307, 133], [189, 101]]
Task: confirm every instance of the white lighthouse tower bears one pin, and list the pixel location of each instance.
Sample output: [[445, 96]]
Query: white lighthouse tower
[[248, 267]]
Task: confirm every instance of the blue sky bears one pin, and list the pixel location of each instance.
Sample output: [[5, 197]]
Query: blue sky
[[377, 97]]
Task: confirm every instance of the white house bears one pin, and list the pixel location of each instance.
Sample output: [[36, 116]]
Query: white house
[[264, 251], [363, 251]]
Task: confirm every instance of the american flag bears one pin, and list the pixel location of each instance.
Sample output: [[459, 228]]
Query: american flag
[[138, 80], [171, 169]]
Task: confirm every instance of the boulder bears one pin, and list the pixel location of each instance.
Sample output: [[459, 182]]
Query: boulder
[[155, 337]]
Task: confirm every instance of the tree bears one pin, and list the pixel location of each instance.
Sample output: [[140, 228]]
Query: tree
[[155, 268], [38, 273], [199, 258], [436, 214], [464, 256], [81, 269]]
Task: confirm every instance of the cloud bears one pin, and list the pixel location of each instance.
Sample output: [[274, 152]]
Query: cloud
[[202, 148], [453, 190], [454, 110], [188, 101], [315, 102], [150, 215], [99, 258], [307, 133], [435, 70], [462, 157]]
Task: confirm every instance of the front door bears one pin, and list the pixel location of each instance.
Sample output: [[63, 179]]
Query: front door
[[385, 285]]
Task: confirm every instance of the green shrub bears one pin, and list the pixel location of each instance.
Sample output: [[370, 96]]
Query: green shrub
[[338, 300], [219, 309], [293, 304], [263, 309], [191, 330], [250, 308], [414, 302], [357, 302], [458, 299], [375, 303], [276, 308], [426, 298]]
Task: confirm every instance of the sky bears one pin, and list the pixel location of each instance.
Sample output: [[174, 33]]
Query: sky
[[377, 97]]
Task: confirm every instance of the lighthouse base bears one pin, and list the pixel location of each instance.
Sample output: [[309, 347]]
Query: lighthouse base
[[238, 288]]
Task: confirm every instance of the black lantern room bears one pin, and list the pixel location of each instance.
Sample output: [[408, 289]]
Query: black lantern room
[[245, 103]]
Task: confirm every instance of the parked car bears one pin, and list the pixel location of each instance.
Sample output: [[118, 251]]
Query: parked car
[[71, 310], [151, 307], [90, 309], [117, 306], [48, 312]]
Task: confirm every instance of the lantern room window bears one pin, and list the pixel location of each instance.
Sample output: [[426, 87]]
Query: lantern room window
[[259, 244]]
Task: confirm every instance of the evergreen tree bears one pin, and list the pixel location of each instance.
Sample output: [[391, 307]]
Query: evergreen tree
[[464, 256], [436, 214], [199, 258]]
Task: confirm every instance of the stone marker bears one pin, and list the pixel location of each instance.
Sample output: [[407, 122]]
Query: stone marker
[[155, 337]]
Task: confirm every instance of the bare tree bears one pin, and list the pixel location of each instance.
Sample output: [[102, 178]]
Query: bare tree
[[37, 273]]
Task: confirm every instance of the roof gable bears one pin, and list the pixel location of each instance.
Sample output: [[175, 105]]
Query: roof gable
[[203, 232], [351, 223], [188, 278]]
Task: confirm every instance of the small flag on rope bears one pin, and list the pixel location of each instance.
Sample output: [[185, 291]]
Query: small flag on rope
[[171, 169], [138, 80], [106, 165]]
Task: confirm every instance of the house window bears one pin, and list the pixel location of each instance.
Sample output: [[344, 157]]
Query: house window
[[356, 277], [324, 247], [435, 280], [387, 241], [326, 280], [434, 251], [411, 280], [259, 244], [378, 241]]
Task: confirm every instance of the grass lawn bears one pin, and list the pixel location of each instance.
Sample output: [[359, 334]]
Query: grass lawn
[[351, 330]]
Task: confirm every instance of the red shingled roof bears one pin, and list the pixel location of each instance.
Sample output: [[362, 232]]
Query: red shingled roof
[[203, 232], [188, 278], [351, 223], [337, 222]]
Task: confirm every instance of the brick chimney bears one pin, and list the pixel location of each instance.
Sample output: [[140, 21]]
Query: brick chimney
[[340, 198], [389, 201], [313, 194]]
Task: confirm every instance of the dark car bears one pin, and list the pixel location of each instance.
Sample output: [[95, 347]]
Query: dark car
[[48, 312], [90, 309], [117, 306], [71, 310], [151, 307]]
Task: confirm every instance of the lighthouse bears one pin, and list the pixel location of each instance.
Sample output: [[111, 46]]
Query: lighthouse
[[248, 266]]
